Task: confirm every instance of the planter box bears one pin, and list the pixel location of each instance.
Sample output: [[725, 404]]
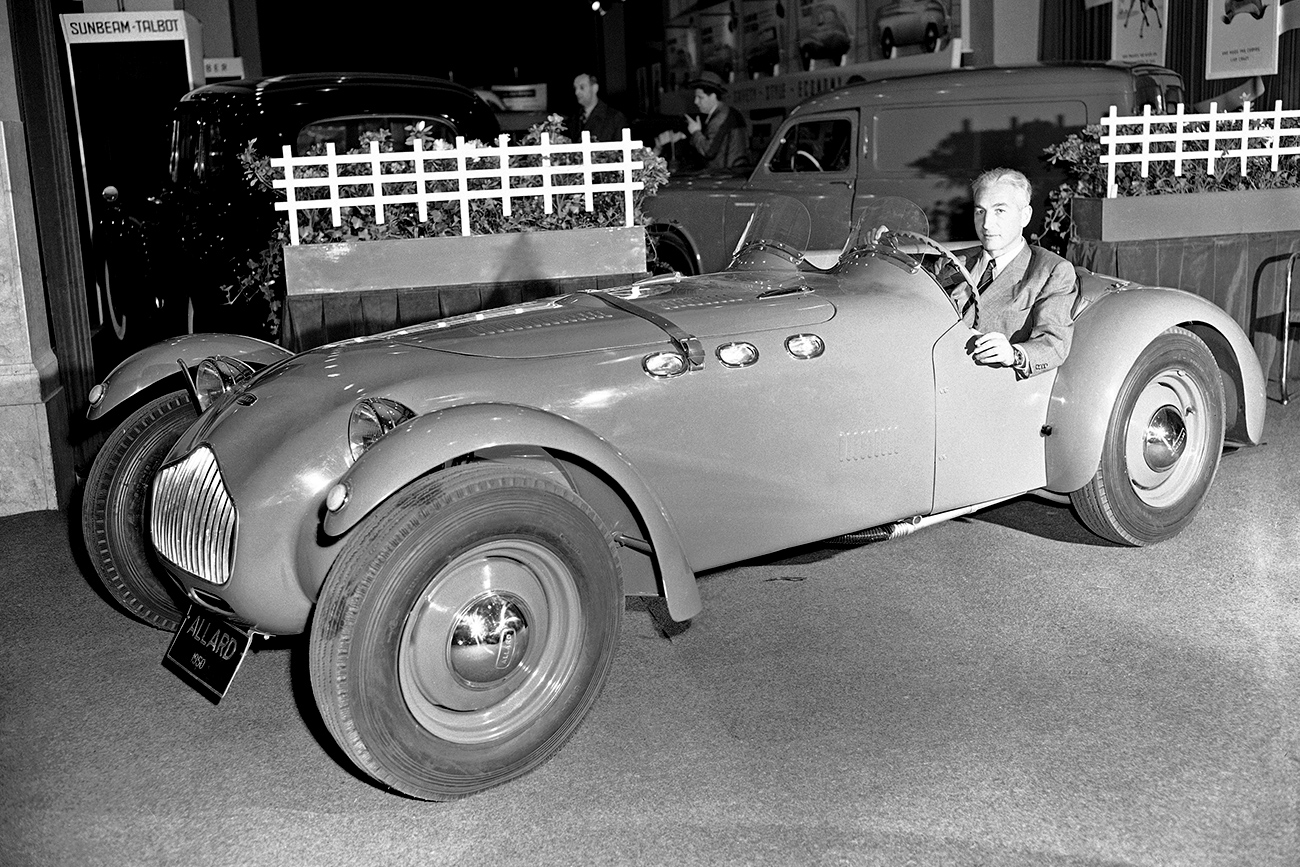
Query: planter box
[[1186, 215], [336, 291]]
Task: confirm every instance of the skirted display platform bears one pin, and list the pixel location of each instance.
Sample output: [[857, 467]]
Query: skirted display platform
[[1245, 274]]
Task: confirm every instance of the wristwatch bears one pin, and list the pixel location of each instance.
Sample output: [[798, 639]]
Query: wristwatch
[[1018, 362]]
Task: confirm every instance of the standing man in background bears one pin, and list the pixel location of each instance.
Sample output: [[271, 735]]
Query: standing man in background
[[604, 122], [718, 136]]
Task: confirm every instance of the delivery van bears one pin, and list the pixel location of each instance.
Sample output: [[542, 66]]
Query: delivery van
[[922, 137]]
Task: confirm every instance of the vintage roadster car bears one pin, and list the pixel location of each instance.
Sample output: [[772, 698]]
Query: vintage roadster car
[[455, 512]]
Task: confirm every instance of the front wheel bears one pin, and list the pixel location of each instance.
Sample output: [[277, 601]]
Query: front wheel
[[115, 509], [464, 631], [1162, 444]]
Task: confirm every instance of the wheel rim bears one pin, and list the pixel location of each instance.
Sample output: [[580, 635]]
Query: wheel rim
[[1166, 439], [490, 642]]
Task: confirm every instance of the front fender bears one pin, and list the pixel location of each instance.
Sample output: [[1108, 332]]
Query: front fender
[[157, 362], [1108, 337], [422, 444]]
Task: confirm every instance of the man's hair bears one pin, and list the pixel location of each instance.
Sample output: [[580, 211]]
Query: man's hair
[[1004, 176], [591, 79]]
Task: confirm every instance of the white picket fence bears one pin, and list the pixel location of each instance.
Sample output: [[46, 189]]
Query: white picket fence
[[1228, 136], [374, 186]]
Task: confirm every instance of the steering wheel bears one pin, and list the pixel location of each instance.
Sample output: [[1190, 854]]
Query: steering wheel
[[943, 251], [809, 157]]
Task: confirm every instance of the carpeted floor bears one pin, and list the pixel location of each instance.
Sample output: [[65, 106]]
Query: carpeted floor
[[1003, 690]]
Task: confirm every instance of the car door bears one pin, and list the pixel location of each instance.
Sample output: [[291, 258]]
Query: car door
[[989, 436], [813, 158]]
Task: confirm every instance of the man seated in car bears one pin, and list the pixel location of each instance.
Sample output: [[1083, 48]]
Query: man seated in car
[[1025, 294]]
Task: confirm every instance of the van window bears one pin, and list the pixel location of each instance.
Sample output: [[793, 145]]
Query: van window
[[959, 141], [815, 145], [346, 132], [1163, 92]]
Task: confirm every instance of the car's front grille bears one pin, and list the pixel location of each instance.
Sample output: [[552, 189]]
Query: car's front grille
[[194, 521]]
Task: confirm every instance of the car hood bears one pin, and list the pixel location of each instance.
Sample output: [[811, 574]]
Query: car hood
[[292, 416], [705, 307]]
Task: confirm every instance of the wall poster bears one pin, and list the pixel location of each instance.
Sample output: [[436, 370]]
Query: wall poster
[[897, 28], [763, 36], [1243, 37], [717, 43], [1137, 32], [825, 33], [681, 55]]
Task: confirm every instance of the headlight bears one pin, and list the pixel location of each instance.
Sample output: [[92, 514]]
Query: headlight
[[217, 375], [371, 419]]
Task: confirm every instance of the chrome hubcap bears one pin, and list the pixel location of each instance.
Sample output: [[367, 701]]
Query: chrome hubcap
[[490, 642], [1165, 443], [489, 638], [1166, 438]]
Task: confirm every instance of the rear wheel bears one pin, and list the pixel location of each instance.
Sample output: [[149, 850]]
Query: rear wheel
[[115, 509], [887, 43], [464, 631], [931, 38], [1162, 444]]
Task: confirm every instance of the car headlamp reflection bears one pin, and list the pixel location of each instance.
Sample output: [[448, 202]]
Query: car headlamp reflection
[[217, 375], [371, 419]]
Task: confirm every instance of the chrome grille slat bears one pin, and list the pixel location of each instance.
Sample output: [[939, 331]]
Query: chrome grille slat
[[194, 522]]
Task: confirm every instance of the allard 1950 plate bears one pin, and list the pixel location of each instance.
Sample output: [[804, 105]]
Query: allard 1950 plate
[[206, 652]]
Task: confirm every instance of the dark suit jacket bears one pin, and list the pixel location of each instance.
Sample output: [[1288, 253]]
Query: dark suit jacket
[[605, 123], [1030, 301], [721, 139]]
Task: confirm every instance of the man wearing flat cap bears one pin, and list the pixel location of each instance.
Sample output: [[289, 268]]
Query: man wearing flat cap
[[718, 136]]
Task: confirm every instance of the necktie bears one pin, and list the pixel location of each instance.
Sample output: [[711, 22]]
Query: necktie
[[986, 279]]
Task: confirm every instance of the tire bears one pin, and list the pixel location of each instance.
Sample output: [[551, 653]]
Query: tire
[[1147, 490], [115, 510], [412, 695], [931, 38], [670, 254], [887, 43]]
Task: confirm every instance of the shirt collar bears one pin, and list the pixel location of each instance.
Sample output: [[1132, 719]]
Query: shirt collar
[[1002, 261]]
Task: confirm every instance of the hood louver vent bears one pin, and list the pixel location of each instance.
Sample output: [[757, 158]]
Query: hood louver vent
[[507, 325]]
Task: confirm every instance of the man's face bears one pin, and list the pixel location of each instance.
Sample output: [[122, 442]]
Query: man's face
[[585, 92], [705, 102], [1001, 214]]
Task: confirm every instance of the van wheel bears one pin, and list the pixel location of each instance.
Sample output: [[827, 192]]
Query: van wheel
[[931, 38], [669, 254], [887, 43]]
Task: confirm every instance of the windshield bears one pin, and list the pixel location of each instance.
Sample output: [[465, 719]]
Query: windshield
[[891, 212], [777, 233]]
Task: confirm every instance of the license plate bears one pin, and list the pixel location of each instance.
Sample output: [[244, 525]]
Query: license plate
[[206, 652]]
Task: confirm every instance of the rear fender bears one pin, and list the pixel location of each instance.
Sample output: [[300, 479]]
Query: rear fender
[[1108, 337], [155, 363], [424, 444]]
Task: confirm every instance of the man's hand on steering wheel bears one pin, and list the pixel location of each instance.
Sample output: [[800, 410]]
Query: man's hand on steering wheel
[[943, 251]]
